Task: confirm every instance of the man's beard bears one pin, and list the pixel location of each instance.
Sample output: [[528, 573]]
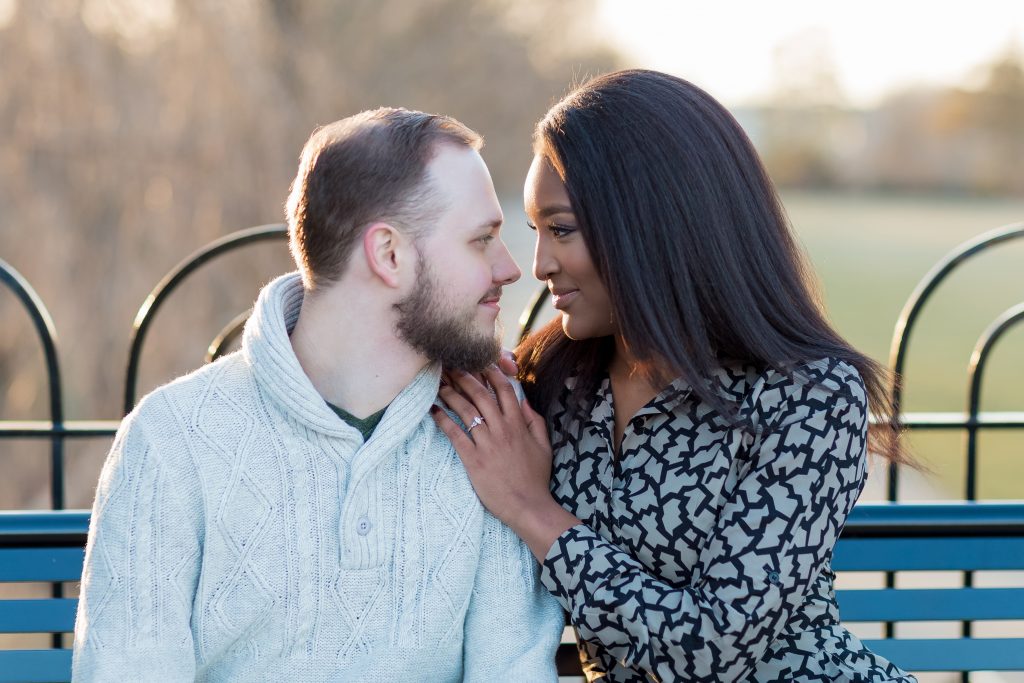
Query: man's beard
[[428, 324]]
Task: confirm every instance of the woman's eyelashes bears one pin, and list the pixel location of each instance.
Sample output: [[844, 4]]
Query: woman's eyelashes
[[556, 230]]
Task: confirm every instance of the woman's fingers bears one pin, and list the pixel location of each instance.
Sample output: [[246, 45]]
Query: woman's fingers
[[535, 423], [474, 392], [507, 363], [508, 456], [460, 405], [503, 392], [463, 444]]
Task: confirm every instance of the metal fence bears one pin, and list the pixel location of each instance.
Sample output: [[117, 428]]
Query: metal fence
[[57, 430]]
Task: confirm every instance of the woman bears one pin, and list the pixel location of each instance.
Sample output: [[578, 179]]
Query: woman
[[708, 428]]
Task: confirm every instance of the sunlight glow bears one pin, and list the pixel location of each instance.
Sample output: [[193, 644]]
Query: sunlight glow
[[733, 49], [7, 10], [137, 24]]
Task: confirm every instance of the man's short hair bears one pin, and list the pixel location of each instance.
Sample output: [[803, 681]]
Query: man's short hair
[[366, 168]]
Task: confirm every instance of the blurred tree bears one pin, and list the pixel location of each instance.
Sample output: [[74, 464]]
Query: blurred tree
[[999, 114], [134, 133], [806, 131], [952, 139]]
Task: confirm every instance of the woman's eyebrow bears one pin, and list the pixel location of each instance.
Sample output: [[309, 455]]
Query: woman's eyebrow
[[552, 210]]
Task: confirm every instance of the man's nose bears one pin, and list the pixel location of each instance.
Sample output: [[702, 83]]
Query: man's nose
[[506, 271]]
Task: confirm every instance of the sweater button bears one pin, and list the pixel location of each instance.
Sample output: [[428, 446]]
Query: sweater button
[[363, 526]]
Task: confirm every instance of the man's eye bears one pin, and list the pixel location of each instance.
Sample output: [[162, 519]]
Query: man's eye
[[486, 239]]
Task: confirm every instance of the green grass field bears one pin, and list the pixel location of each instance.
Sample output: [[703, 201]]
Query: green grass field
[[869, 253]]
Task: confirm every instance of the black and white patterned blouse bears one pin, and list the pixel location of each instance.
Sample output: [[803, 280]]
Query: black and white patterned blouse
[[704, 551]]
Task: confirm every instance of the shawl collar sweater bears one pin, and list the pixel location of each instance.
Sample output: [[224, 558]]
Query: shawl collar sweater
[[243, 532]]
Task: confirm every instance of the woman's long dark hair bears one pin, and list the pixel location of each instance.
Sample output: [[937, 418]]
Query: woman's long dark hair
[[689, 236]]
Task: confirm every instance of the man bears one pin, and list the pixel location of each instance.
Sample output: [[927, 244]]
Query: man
[[291, 512]]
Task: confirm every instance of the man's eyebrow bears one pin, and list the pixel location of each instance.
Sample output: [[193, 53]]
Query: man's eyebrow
[[552, 210], [494, 224]]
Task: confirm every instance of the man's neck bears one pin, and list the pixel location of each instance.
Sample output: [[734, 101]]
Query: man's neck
[[348, 348]]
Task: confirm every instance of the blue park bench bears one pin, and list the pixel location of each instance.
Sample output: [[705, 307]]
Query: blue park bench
[[47, 547]]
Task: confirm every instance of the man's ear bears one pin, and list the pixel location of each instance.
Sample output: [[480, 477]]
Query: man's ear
[[387, 252]]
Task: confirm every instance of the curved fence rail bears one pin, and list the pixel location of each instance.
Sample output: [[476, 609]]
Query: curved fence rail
[[170, 282], [44, 327], [57, 429], [971, 422]]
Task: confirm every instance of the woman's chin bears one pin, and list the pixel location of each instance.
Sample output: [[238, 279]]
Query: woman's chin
[[578, 330], [568, 327]]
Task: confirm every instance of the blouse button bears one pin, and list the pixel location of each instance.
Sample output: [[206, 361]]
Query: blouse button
[[773, 578], [363, 526]]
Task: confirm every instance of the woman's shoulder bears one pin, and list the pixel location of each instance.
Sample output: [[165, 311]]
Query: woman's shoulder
[[798, 389], [827, 375]]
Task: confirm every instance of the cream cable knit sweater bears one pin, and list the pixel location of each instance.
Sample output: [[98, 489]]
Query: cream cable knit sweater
[[243, 532]]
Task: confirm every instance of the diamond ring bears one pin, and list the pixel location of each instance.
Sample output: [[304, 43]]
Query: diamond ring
[[477, 421]]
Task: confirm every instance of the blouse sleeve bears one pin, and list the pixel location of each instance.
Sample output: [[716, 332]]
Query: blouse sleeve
[[771, 540]]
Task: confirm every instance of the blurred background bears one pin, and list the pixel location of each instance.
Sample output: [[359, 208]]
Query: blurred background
[[133, 132]]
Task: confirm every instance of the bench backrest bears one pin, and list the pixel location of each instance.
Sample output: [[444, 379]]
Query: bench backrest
[[48, 547], [937, 604], [39, 547]]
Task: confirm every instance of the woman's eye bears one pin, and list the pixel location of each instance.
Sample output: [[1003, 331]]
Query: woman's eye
[[561, 230], [486, 239]]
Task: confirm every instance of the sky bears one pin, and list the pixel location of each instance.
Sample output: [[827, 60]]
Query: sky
[[733, 49]]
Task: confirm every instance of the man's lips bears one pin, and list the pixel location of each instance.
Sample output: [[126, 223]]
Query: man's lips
[[492, 300], [561, 298]]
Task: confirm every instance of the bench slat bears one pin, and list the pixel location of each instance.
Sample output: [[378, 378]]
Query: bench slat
[[949, 553], [878, 549], [53, 615], [930, 604], [946, 654], [35, 666], [937, 654], [41, 564]]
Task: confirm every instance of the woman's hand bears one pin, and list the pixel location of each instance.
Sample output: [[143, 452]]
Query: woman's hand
[[507, 455]]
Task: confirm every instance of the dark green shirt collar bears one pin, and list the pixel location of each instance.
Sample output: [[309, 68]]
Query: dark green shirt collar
[[365, 425]]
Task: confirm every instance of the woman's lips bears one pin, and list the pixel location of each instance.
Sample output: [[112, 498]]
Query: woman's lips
[[561, 299]]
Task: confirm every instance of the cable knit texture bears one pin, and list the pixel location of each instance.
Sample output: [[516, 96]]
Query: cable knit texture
[[243, 532]]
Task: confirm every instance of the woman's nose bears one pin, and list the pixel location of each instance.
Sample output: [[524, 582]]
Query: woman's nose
[[544, 263]]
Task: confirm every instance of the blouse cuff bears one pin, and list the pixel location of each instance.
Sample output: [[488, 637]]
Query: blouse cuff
[[577, 558], [561, 567]]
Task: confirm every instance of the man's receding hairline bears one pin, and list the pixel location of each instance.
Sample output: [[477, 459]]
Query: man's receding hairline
[[426, 185]]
